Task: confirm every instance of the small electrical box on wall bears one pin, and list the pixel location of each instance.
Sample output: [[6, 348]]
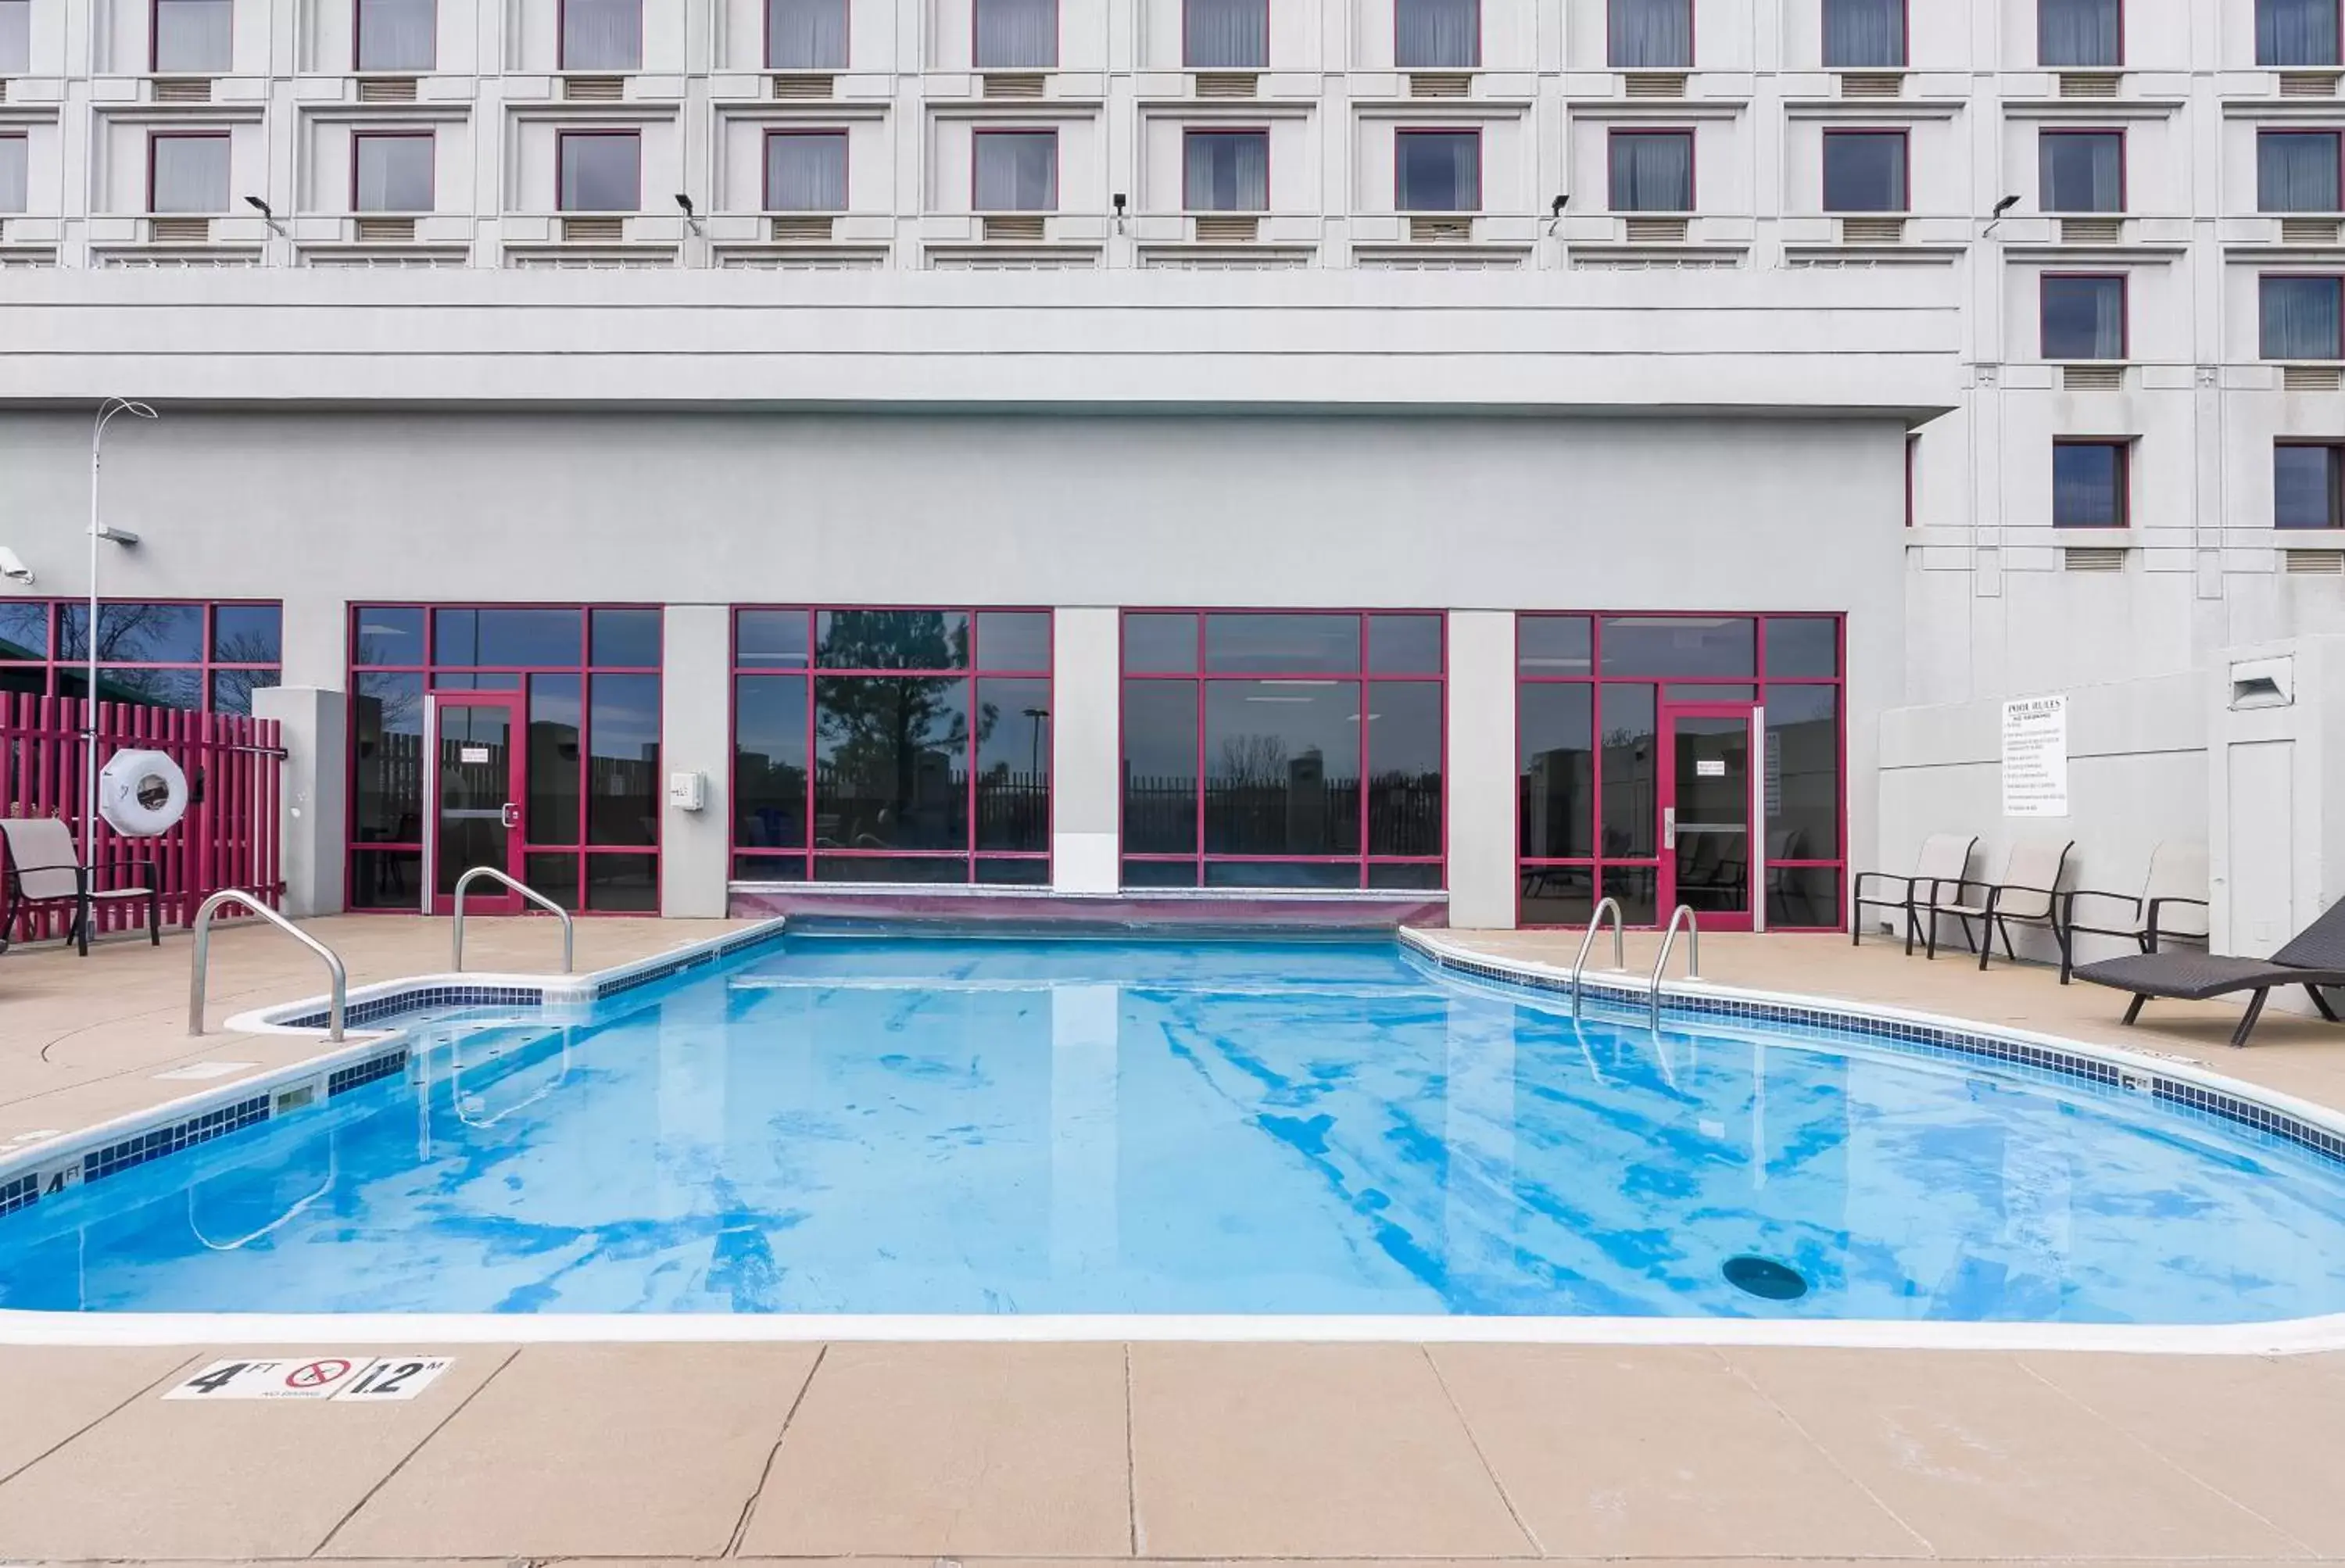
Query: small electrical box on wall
[[687, 792]]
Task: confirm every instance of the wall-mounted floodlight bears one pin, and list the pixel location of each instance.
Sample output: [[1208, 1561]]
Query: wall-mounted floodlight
[[2005, 205], [13, 567], [1555, 211], [691, 216], [266, 215]]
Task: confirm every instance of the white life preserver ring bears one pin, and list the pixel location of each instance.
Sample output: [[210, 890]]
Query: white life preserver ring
[[142, 793]]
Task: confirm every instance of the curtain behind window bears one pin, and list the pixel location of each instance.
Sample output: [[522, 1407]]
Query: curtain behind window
[[806, 34], [2087, 485], [2296, 171], [394, 173], [1651, 34], [2078, 32], [806, 173], [1439, 171], [1864, 171], [16, 186], [2084, 319], [1438, 35], [1017, 172], [397, 36], [2307, 486], [2301, 317], [2080, 173], [1652, 171], [194, 35], [602, 35], [1233, 34], [190, 174], [2296, 32], [1016, 34], [16, 37], [1859, 34], [1228, 171], [601, 173]]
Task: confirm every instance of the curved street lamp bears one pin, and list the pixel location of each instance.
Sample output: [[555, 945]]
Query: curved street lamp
[[98, 531]]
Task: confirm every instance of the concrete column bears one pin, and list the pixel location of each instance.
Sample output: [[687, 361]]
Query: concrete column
[[1481, 780], [1086, 763], [695, 737], [316, 731]]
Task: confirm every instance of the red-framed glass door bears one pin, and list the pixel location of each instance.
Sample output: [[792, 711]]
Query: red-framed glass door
[[474, 793], [1710, 839]]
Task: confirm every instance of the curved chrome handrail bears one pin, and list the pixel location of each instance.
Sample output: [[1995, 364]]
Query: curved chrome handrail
[[1619, 958], [202, 961], [526, 890], [1683, 912]]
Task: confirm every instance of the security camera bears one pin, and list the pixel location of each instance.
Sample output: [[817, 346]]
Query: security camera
[[12, 566]]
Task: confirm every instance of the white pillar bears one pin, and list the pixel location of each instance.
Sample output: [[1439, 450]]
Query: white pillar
[[314, 725], [1481, 777], [1086, 665], [695, 737]]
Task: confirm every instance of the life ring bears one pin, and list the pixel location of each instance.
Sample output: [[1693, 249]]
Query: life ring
[[142, 793]]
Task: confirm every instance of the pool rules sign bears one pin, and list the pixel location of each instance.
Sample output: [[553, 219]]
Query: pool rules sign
[[2035, 757]]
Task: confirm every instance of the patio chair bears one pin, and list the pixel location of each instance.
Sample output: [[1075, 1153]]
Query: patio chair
[[2176, 880], [45, 870], [1944, 857], [2314, 958], [2029, 892]]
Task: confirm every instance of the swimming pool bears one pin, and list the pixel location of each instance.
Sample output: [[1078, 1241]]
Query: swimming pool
[[855, 1124]]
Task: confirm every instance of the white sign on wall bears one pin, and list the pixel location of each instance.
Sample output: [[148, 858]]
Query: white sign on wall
[[2035, 757]]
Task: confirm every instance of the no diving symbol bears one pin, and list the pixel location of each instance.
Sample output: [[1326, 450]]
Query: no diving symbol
[[318, 1374]]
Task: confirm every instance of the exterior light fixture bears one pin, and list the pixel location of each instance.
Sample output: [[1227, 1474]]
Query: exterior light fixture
[[266, 216]]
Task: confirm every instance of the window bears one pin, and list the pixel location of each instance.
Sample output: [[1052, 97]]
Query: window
[[1864, 171], [398, 35], [2301, 317], [602, 172], [201, 658], [16, 37], [1016, 34], [1652, 170], [805, 172], [891, 745], [1437, 34], [2308, 484], [1588, 703], [1225, 34], [806, 34], [588, 677], [2296, 32], [391, 171], [601, 35], [1865, 34], [16, 174], [2080, 170], [2083, 318], [191, 34], [2090, 488], [2087, 34], [2296, 171], [1016, 170], [1650, 35], [1227, 171], [187, 171], [1270, 750], [1438, 171]]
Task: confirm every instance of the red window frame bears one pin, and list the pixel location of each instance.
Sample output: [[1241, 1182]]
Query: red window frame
[[1058, 41], [2336, 280], [1904, 33], [1050, 131], [2125, 324], [2116, 65], [1186, 144], [357, 136], [806, 855], [1905, 134], [562, 41], [562, 140], [766, 156], [2122, 446], [53, 663], [2335, 138], [766, 9], [1202, 677], [2338, 6], [154, 137], [2336, 450], [2124, 166], [1597, 678], [1400, 132], [1693, 40], [1480, 32], [155, 38], [432, 668], [1188, 62], [357, 31], [1693, 165]]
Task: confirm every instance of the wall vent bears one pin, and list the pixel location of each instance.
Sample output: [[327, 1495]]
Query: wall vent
[[594, 89], [1654, 85], [179, 230], [1226, 85], [1872, 85], [183, 90], [1440, 230], [4, 89], [2091, 377], [2308, 232], [2091, 230], [1649, 230], [2315, 563], [594, 230], [1013, 84], [2308, 378], [2093, 558], [1023, 228], [798, 228], [2088, 84], [801, 85], [2309, 84], [1871, 231], [384, 230], [1227, 228], [1440, 85], [386, 89]]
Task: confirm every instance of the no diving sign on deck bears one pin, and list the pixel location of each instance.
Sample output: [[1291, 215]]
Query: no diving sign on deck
[[353, 1377]]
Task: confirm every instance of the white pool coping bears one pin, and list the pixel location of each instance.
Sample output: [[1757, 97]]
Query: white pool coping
[[2298, 1336]]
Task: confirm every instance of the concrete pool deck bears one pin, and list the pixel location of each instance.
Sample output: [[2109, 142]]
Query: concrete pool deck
[[1084, 1452]]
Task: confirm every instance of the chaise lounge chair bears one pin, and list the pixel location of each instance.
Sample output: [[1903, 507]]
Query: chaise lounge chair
[[2172, 902], [2314, 958]]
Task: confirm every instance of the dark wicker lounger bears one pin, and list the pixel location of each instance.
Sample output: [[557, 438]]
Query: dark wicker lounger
[[2314, 958]]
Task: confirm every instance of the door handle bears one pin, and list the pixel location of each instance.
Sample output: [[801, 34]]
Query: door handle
[[509, 814], [1669, 827]]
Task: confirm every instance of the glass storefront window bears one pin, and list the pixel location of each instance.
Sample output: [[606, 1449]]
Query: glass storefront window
[[200, 657]]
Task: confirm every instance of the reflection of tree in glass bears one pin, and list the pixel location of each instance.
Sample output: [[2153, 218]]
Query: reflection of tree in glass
[[126, 633], [1252, 759], [232, 689], [879, 727]]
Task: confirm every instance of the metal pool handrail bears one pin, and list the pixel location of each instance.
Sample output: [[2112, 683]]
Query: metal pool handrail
[[1619, 959], [201, 965], [1693, 958], [526, 890]]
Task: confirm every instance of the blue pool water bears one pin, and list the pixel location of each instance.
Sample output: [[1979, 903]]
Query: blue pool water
[[871, 1125]]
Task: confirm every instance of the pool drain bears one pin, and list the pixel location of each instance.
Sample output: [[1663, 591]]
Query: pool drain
[[1764, 1277]]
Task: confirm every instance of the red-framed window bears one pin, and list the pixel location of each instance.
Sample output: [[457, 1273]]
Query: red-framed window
[[1438, 35], [1284, 749], [1014, 35], [1437, 168], [1225, 34], [204, 656], [883, 744], [188, 171], [1652, 170], [16, 37], [391, 171], [1650, 35], [1865, 35], [589, 679], [2302, 315], [2082, 34], [2082, 316], [1225, 169], [2300, 171], [805, 170], [1867, 169], [807, 34], [197, 36], [599, 170], [2092, 483], [2080, 168], [394, 35], [2308, 484], [2299, 33], [1590, 690], [602, 35], [1013, 168]]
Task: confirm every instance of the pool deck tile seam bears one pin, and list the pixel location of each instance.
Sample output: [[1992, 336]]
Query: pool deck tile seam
[[1929, 1548], [773, 1456], [1131, 1462], [104, 1416], [1474, 1441], [388, 1476]]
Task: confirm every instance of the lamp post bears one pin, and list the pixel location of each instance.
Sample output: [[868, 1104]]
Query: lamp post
[[98, 531]]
